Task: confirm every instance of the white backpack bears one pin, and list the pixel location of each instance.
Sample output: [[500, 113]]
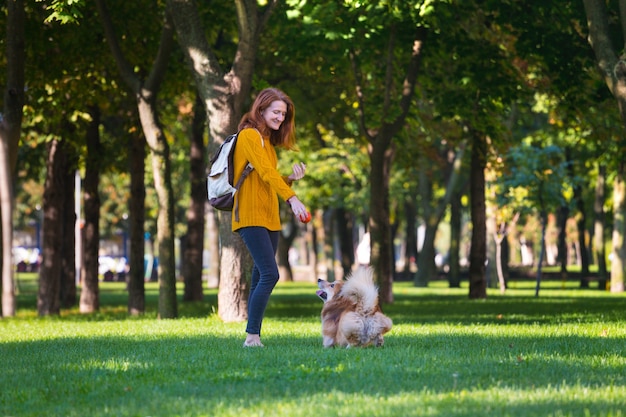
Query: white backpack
[[220, 186]]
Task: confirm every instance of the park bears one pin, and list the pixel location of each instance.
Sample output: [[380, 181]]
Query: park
[[469, 152]]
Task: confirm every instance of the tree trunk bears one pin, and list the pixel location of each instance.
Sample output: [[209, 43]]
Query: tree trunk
[[194, 247], [410, 253], [613, 70], [454, 276], [426, 267], [381, 258], [562, 217], [213, 239], [433, 211], [90, 291], [162, 172], [49, 296], [581, 220], [542, 252], [478, 249], [136, 209], [346, 241], [223, 95], [10, 130], [491, 269], [235, 274], [619, 231], [329, 243], [6, 209], [68, 262], [599, 222], [285, 241]]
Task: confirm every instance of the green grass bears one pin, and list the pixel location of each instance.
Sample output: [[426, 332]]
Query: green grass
[[562, 354]]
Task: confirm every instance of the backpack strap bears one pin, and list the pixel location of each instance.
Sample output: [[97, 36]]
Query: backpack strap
[[247, 170]]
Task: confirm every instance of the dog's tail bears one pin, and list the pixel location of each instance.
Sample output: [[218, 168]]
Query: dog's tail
[[360, 289]]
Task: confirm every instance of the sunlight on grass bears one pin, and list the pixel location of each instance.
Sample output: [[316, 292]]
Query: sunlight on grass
[[561, 354]]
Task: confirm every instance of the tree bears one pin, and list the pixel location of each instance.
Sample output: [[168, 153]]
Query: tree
[[224, 94], [535, 179], [10, 129], [145, 91], [382, 46], [613, 69]]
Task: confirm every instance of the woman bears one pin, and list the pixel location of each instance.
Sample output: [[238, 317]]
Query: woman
[[270, 123]]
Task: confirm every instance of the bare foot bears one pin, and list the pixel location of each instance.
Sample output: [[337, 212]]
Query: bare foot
[[253, 340]]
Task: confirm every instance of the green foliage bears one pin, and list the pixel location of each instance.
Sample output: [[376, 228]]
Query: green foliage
[[534, 178], [337, 173], [64, 11], [513, 355]]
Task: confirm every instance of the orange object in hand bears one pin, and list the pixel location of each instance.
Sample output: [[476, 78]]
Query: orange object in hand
[[305, 218]]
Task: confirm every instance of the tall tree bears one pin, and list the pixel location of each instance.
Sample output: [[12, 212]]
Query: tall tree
[[613, 69], [146, 91], [10, 129], [224, 93]]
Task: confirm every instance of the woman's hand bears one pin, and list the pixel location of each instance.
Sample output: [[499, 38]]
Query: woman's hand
[[299, 170], [297, 207]]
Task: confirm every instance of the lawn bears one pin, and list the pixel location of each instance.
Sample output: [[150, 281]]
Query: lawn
[[561, 354]]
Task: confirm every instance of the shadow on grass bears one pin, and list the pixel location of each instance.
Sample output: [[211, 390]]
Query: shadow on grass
[[162, 375]]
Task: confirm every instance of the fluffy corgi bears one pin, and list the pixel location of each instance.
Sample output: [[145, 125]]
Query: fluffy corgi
[[351, 315]]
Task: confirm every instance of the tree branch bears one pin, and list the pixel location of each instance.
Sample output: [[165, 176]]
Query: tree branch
[[125, 68]]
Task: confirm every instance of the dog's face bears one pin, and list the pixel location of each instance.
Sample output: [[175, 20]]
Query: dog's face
[[327, 290]]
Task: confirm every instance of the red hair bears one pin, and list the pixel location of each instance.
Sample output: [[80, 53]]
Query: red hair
[[286, 135]]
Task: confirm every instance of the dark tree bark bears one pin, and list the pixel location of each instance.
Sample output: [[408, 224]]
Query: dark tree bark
[[68, 261], [381, 258], [136, 209], [90, 291], [194, 242], [426, 268], [49, 296], [478, 250], [10, 129]]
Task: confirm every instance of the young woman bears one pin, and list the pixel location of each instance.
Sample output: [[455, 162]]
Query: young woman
[[269, 124]]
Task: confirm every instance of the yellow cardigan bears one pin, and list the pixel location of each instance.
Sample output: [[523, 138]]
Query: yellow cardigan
[[257, 199]]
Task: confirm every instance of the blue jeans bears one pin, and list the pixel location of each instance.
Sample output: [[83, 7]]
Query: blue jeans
[[262, 245]]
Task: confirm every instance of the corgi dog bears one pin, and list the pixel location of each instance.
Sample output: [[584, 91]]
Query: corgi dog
[[351, 315]]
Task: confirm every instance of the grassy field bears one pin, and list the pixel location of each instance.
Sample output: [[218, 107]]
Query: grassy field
[[562, 354]]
